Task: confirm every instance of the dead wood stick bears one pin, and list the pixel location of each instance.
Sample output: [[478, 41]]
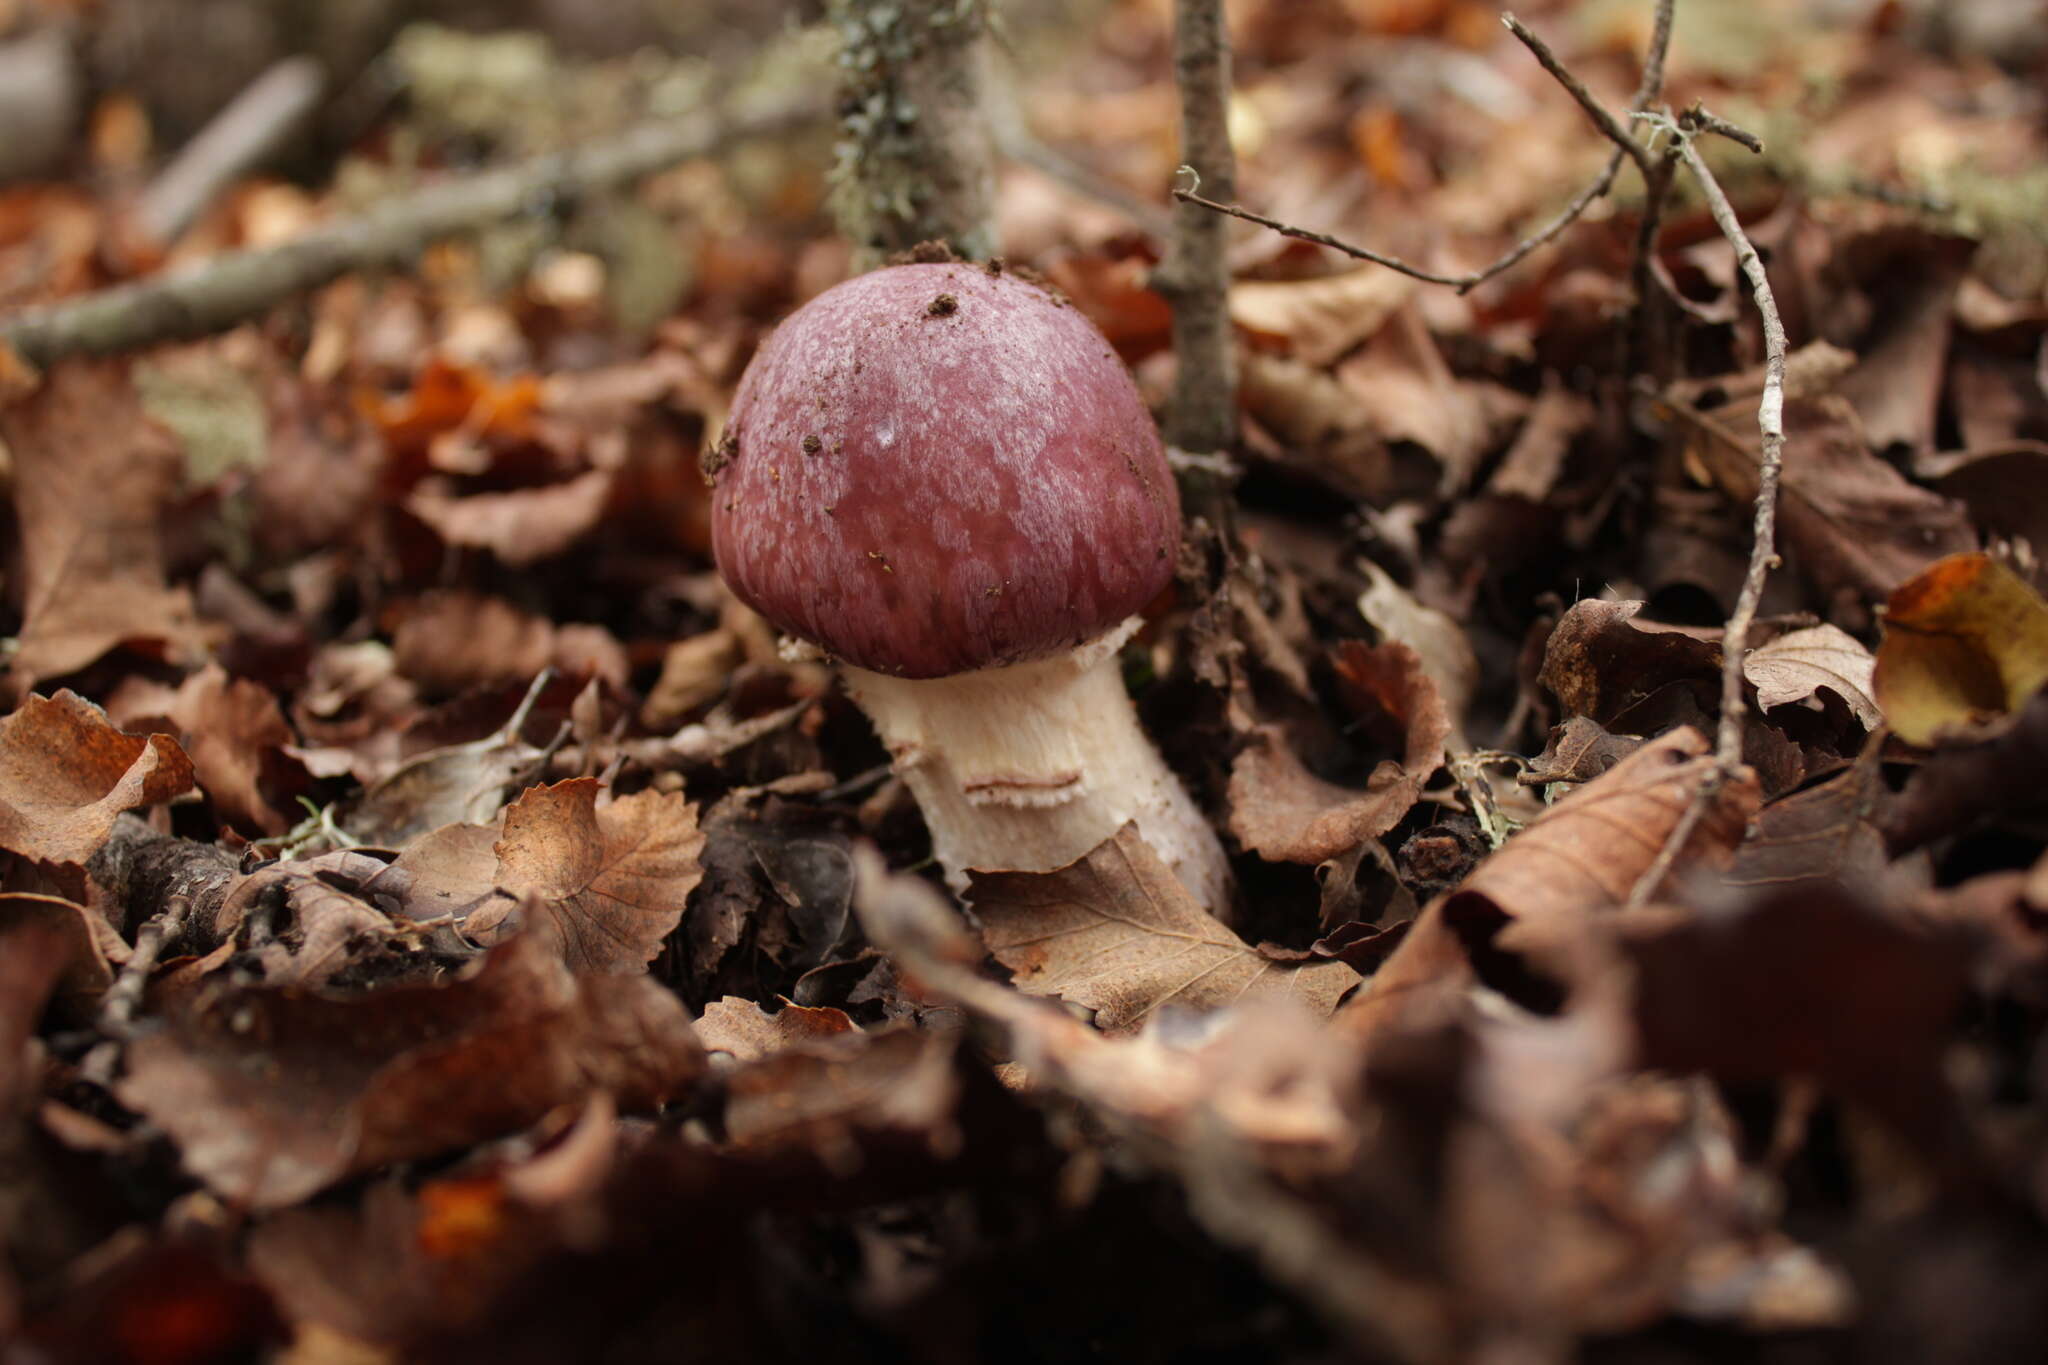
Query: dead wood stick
[[1195, 276], [1626, 149], [222, 291], [239, 139], [1770, 418], [124, 997]]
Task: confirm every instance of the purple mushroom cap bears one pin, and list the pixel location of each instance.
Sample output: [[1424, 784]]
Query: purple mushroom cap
[[931, 469]]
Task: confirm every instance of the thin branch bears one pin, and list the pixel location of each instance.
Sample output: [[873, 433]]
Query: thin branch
[[1762, 551], [1609, 126], [124, 998], [1626, 148], [239, 139], [1195, 276], [225, 290]]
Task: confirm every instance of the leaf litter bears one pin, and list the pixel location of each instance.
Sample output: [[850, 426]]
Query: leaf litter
[[437, 922]]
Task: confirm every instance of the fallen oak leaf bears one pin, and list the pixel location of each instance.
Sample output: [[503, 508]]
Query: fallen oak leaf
[[66, 773], [1117, 932], [1964, 641]]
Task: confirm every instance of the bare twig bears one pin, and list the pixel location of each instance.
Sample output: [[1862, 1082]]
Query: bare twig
[[1626, 149], [223, 291], [124, 997], [1609, 126], [1195, 276], [239, 139], [1762, 552]]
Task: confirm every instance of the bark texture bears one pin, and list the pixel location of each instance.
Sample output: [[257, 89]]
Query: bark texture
[[1195, 276], [915, 158]]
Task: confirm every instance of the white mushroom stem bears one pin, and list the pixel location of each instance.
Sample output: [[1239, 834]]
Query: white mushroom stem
[[1027, 768]]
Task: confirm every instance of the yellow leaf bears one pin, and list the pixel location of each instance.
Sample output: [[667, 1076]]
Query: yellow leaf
[[1964, 641]]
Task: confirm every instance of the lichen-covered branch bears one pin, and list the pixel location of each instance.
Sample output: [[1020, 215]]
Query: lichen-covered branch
[[915, 158], [1195, 276]]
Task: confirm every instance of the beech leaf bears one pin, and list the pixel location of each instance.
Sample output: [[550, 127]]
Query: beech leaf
[[1118, 933], [66, 772], [609, 884], [1794, 666]]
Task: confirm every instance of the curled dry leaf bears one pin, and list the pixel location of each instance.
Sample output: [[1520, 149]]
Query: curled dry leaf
[[1284, 812], [1964, 642], [1541, 895], [1600, 659], [66, 772], [91, 476], [1439, 643], [1117, 932], [520, 526], [1794, 666], [746, 1032], [272, 1094], [237, 737]]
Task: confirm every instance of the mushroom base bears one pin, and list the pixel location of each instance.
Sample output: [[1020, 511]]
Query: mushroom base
[[1027, 768]]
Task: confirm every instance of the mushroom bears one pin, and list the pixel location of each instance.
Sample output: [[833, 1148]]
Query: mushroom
[[942, 477]]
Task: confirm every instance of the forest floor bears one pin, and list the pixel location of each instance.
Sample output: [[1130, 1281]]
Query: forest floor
[[437, 922]]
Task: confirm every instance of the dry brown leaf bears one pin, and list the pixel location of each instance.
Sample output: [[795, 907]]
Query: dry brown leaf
[[1825, 833], [1536, 458], [1542, 894], [1965, 641], [607, 885], [1794, 666], [237, 737], [1854, 524], [520, 526], [452, 641], [1439, 642], [1402, 381], [1284, 812], [91, 476], [66, 772], [1320, 424], [272, 1093], [1117, 932], [748, 1033], [1322, 318], [1600, 660]]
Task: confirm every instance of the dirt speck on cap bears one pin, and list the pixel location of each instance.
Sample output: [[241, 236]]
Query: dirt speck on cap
[[943, 305]]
